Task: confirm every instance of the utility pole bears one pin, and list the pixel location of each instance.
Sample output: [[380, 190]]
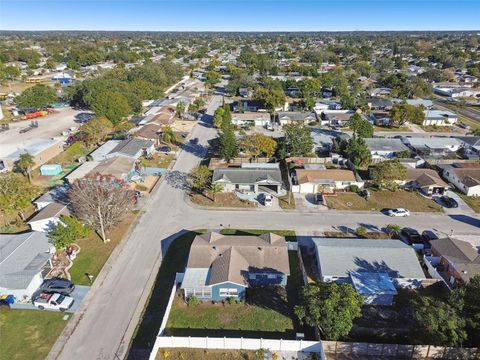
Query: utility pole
[[101, 225]]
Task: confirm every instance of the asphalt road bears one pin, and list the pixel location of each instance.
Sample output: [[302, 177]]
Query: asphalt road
[[103, 325]]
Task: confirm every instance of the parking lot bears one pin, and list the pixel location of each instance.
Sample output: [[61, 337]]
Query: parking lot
[[78, 295], [49, 126]]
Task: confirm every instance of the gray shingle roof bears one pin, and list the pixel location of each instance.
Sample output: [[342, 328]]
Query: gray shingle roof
[[380, 144], [339, 257], [248, 176], [22, 256], [296, 115], [130, 147]]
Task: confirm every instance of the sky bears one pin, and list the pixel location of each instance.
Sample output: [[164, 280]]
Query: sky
[[240, 15]]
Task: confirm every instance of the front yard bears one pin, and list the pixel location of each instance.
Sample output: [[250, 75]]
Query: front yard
[[221, 200], [28, 334], [383, 199], [474, 203]]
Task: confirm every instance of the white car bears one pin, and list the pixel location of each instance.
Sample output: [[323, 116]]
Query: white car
[[267, 200], [398, 212], [53, 301]]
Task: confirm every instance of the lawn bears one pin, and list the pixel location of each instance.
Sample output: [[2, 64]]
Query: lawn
[[434, 128], [221, 200], [391, 128], [382, 199], [158, 160], [201, 354], [287, 202], [10, 221], [94, 253], [288, 234], [474, 203], [28, 334]]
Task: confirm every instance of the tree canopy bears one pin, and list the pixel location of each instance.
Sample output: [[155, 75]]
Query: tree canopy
[[298, 140], [112, 105], [16, 192], [360, 127], [401, 113], [67, 231], [258, 144], [386, 172], [330, 307], [38, 96]]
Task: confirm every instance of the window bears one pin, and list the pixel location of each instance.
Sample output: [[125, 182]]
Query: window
[[228, 292]]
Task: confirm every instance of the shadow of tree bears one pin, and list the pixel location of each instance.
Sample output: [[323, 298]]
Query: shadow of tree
[[177, 180]]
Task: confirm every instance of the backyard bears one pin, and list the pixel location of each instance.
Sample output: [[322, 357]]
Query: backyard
[[29, 334], [201, 354], [383, 199]]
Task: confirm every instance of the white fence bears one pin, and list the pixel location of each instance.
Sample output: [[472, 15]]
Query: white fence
[[430, 262], [236, 344]]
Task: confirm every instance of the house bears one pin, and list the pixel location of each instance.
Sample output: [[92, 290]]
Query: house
[[457, 92], [150, 132], [251, 119], [471, 146], [24, 261], [81, 171], [133, 148], [42, 151], [465, 177], [296, 117], [120, 167], [439, 118], [425, 180], [57, 194], [259, 177], [384, 91], [308, 181], [102, 151], [221, 266], [379, 104], [379, 118], [322, 141], [48, 217], [335, 117], [459, 259], [375, 268], [434, 147], [385, 148]]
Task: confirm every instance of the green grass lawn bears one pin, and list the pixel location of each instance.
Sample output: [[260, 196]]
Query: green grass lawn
[[474, 203], [288, 234], [94, 253], [381, 199], [28, 334], [391, 128]]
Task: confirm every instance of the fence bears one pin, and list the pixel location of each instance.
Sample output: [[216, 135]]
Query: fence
[[430, 262], [163, 325], [397, 350], [236, 344]]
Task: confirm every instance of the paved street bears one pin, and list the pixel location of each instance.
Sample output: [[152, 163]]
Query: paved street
[[106, 327]]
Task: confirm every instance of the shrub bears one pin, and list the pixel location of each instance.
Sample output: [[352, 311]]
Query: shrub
[[361, 231], [230, 300], [354, 188], [193, 301], [393, 229]]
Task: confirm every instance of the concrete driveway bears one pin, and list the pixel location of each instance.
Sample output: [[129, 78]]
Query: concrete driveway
[[78, 295], [462, 208], [307, 202]]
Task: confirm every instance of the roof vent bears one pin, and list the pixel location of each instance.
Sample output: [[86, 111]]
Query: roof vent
[[259, 248]]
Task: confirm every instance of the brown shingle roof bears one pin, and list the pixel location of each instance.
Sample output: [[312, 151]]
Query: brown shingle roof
[[149, 131], [306, 176], [231, 257], [54, 209], [425, 177]]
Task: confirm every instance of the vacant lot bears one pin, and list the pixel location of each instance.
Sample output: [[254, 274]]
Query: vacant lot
[[382, 199], [94, 253], [201, 354], [28, 334]]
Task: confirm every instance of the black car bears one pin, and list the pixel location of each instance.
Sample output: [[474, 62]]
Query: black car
[[57, 285], [412, 235], [165, 149], [428, 235], [449, 202]]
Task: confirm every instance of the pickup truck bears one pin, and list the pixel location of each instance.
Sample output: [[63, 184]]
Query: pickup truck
[[53, 301]]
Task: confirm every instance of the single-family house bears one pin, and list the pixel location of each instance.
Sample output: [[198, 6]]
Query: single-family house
[[471, 146], [251, 119], [375, 268], [465, 177], [120, 167], [379, 104], [133, 148], [48, 217], [459, 259], [335, 117], [24, 261], [308, 181], [439, 118], [57, 194], [434, 147], [262, 177], [222, 266], [150, 132], [296, 117], [425, 180], [385, 148]]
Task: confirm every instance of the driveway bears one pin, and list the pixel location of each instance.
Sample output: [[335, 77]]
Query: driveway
[[78, 295], [462, 208], [307, 202]]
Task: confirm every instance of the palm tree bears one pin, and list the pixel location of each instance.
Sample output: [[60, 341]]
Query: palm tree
[[393, 229], [168, 135], [215, 188], [25, 164]]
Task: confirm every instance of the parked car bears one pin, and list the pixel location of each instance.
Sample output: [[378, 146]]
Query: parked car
[[164, 149], [463, 125], [398, 212], [57, 285], [319, 199], [194, 141], [267, 199], [429, 235], [411, 235], [53, 301], [449, 202]]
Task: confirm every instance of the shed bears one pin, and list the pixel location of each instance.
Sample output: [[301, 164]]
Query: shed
[[50, 169]]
